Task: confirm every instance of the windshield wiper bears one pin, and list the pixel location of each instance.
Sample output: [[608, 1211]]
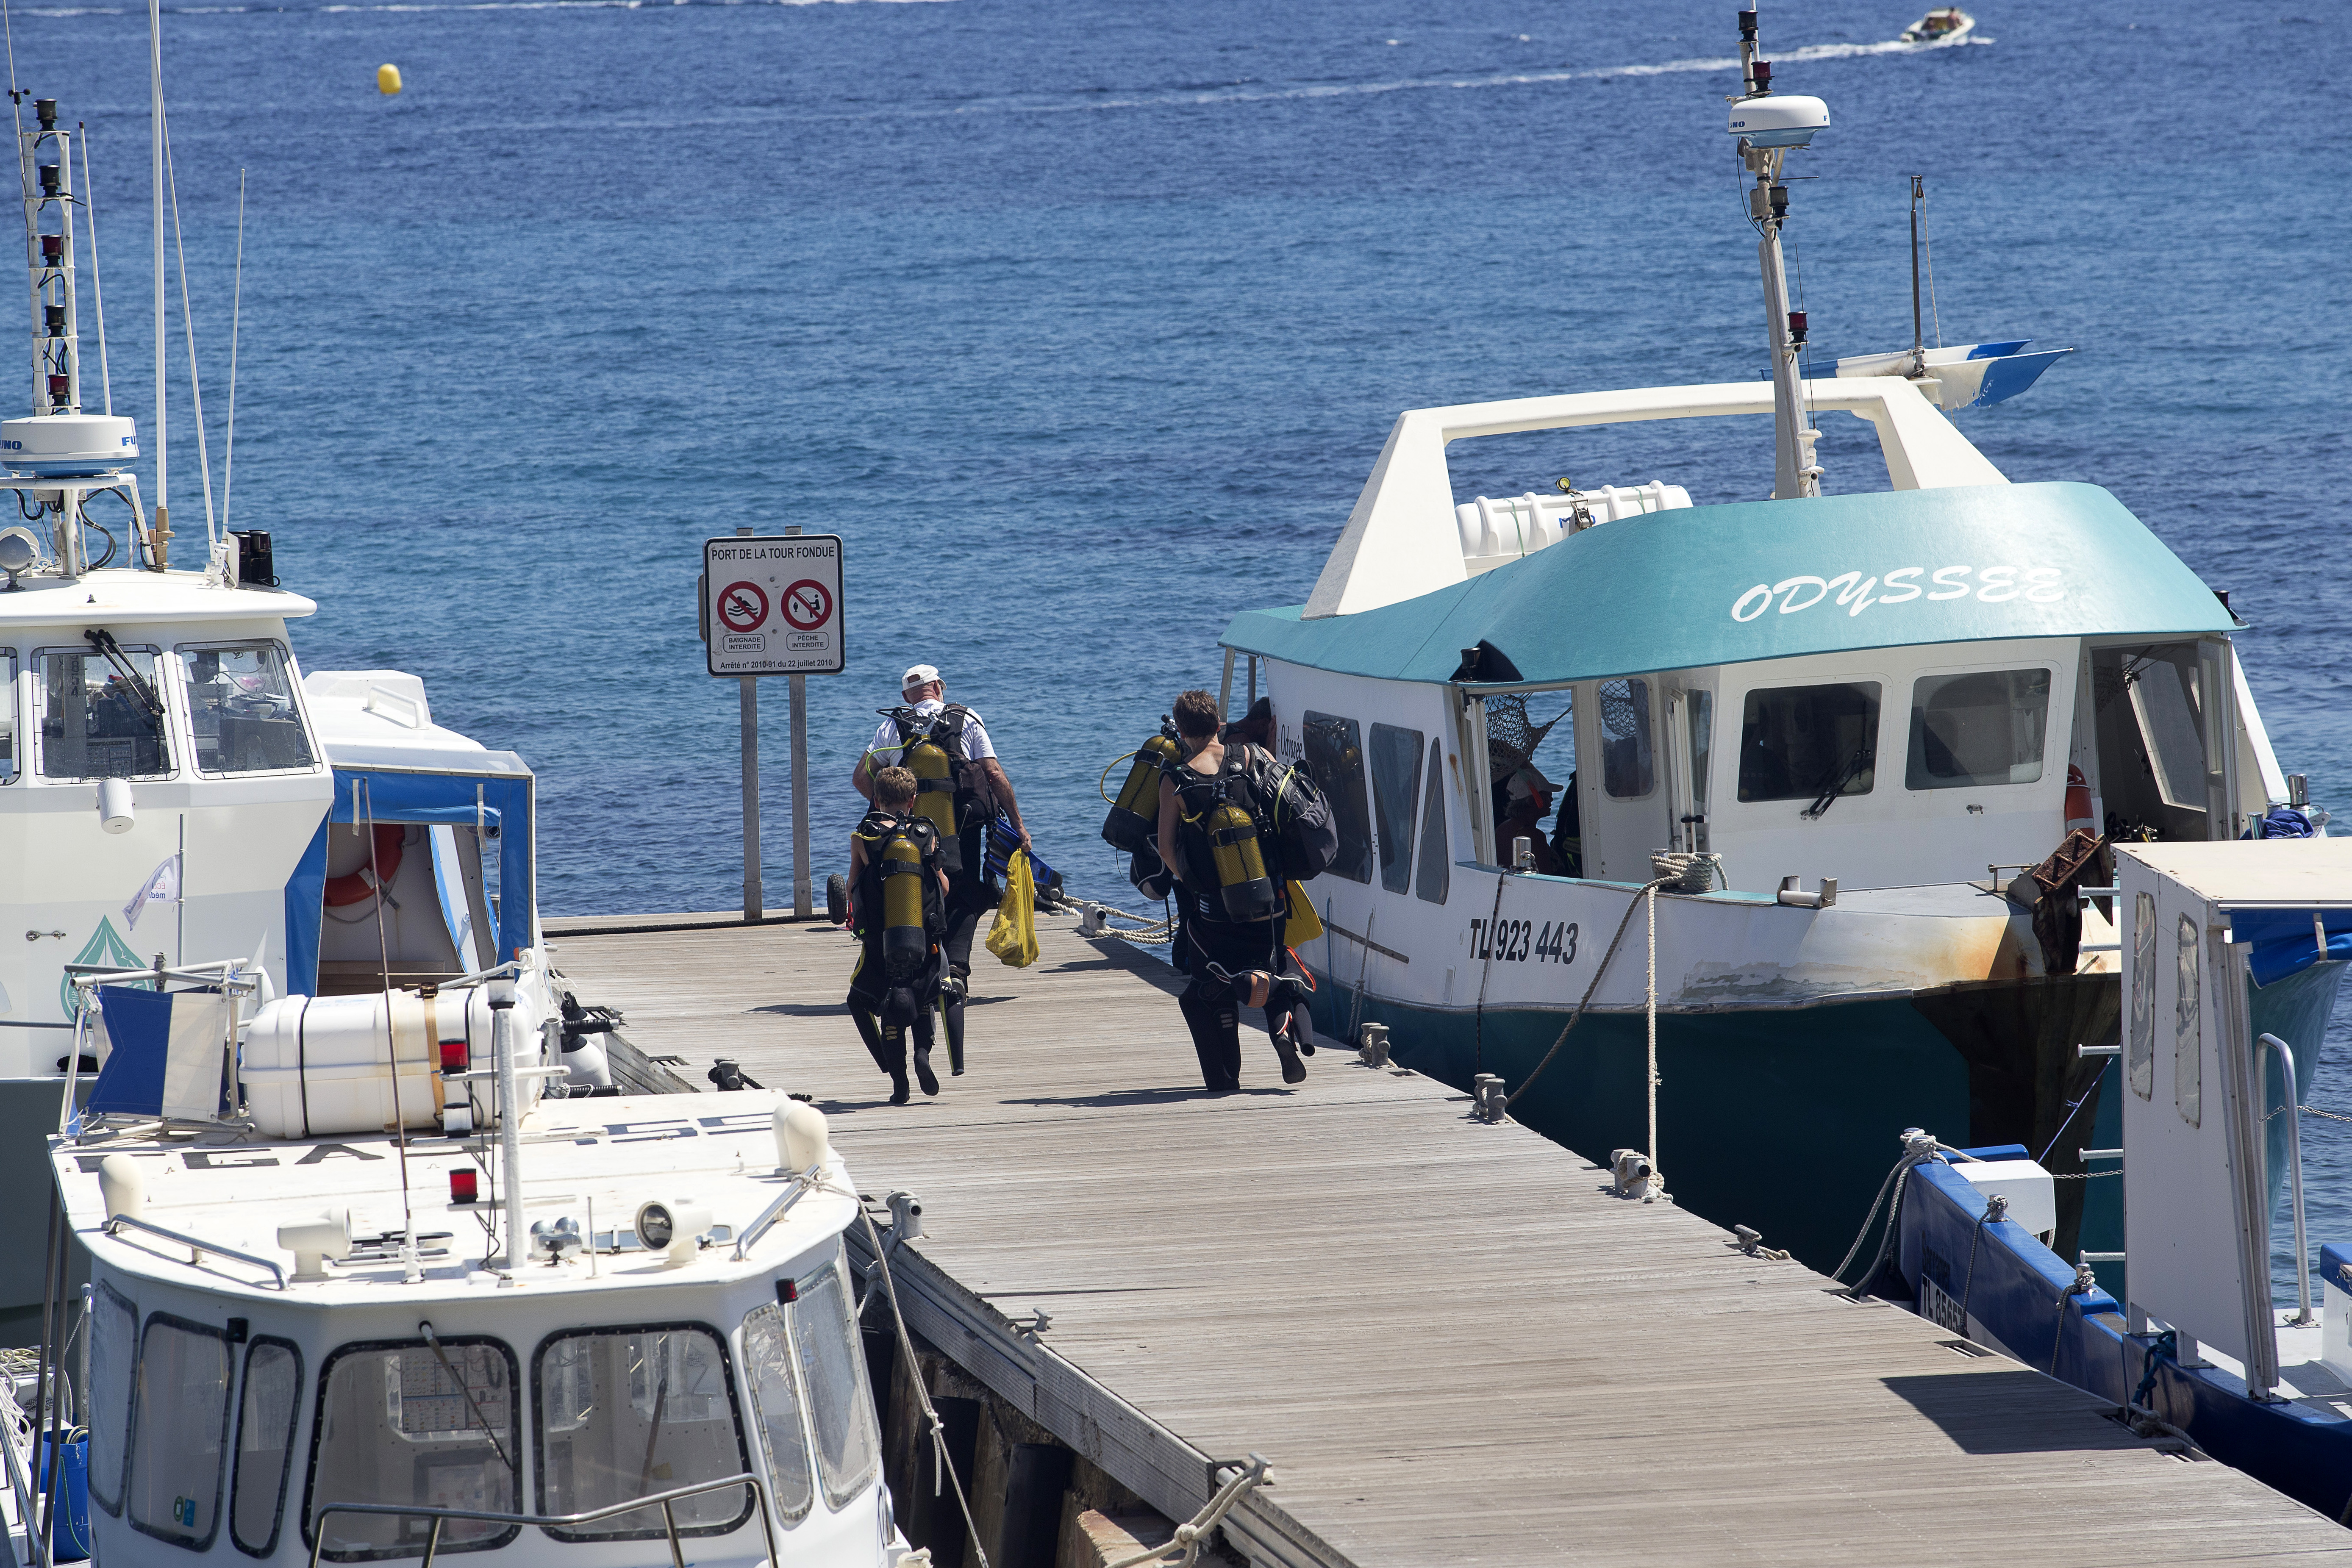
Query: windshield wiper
[[104, 642], [1845, 775]]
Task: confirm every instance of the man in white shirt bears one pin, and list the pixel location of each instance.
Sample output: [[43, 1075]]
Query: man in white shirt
[[981, 790]]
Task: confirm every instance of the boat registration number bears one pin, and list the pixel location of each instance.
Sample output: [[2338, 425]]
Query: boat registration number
[[1518, 942]]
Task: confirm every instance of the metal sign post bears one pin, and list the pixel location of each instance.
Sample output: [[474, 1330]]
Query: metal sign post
[[772, 606]]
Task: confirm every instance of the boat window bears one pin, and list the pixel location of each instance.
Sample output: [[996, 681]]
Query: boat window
[[98, 719], [1629, 768], [1809, 742], [179, 1427], [241, 708], [8, 716], [1335, 760], [1435, 872], [2188, 1031], [833, 1369], [113, 1352], [265, 1445], [412, 1424], [2164, 700], [625, 1413], [2141, 1067], [1396, 788], [1969, 731], [776, 1405]]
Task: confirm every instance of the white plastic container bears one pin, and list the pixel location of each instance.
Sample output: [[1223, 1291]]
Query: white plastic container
[[2032, 1195], [324, 1064]]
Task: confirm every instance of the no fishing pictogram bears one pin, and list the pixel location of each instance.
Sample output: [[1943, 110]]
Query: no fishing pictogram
[[808, 604]]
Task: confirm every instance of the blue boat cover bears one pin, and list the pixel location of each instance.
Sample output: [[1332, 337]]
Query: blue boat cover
[[2287, 941], [497, 797], [1728, 585]]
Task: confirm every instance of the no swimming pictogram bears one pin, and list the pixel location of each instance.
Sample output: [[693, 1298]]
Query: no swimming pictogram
[[743, 606]]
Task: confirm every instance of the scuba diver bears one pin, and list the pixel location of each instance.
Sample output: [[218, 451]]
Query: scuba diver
[[897, 907], [961, 789], [1216, 823]]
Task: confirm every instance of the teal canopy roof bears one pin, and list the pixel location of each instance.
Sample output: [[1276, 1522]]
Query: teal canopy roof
[[1728, 584]]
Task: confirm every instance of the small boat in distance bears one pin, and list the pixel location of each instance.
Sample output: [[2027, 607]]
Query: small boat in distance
[[1944, 25]]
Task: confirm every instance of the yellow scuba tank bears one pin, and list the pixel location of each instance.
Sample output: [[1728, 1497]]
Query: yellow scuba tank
[[1248, 891], [1135, 814], [906, 944], [934, 791]]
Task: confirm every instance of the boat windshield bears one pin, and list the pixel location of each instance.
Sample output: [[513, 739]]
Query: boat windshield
[[1970, 731], [833, 1369], [1806, 743], [426, 1424], [101, 718], [241, 706], [625, 1413]]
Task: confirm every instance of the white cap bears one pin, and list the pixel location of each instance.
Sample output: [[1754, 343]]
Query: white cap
[[919, 674]]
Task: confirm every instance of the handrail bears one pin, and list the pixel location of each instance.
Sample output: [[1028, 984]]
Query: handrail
[[551, 1521], [27, 1494], [116, 1222], [2294, 1172], [801, 1187]]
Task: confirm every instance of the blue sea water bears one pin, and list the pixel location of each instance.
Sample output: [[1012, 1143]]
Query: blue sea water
[[1081, 324]]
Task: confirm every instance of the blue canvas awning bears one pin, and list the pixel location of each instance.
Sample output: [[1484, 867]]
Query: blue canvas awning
[[496, 793], [1728, 585]]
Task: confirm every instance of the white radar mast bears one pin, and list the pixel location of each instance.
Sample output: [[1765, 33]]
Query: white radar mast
[[1770, 127]]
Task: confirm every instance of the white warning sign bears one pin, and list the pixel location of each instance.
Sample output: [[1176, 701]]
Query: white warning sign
[[773, 605]]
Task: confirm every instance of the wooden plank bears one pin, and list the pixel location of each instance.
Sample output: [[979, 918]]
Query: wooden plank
[[1452, 1345]]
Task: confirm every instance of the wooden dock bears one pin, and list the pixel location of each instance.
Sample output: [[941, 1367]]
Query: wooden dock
[[1452, 1342]]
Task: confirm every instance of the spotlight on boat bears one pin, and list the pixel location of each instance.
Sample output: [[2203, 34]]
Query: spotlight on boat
[[19, 550], [312, 1242], [115, 812], [555, 1240], [1782, 120], [672, 1227]]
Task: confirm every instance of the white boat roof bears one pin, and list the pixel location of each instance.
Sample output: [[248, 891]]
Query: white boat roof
[[118, 595], [380, 719], [231, 1191], [2256, 873]]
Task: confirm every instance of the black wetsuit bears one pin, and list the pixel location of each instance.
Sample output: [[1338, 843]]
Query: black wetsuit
[[1217, 945], [881, 1006]]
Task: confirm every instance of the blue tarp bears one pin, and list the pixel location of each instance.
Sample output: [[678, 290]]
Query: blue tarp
[[1728, 584], [498, 798], [2287, 941]]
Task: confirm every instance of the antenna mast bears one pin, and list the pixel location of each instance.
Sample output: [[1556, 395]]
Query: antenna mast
[[49, 198], [162, 536], [1768, 128]]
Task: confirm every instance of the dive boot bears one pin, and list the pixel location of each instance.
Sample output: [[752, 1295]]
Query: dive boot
[[1285, 1049]]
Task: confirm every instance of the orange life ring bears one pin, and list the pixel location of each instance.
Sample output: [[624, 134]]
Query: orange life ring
[[351, 889]]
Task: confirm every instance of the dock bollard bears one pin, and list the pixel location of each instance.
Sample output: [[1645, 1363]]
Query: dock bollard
[[1373, 1049], [1489, 1101], [905, 1218]]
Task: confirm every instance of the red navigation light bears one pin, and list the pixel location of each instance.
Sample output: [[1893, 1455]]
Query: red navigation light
[[462, 1187], [453, 1056], [1763, 73], [787, 1292]]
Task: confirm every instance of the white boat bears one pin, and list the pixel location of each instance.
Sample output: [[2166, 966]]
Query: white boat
[[176, 794], [1856, 720], [1944, 25], [618, 1330]]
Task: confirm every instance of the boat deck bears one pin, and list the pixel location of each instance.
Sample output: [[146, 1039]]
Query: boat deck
[[1452, 1344]]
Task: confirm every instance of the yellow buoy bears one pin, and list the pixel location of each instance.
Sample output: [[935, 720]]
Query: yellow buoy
[[387, 80]]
